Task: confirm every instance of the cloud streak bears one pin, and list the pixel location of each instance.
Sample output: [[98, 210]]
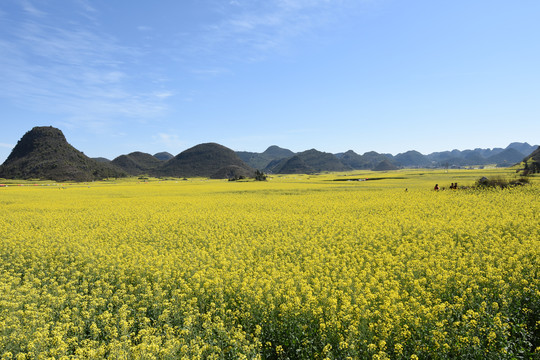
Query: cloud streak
[[29, 8], [68, 66], [72, 70], [252, 30]]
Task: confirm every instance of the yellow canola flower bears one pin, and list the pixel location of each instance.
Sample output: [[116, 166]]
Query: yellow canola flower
[[298, 267]]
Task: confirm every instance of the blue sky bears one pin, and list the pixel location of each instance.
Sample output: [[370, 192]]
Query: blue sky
[[383, 75]]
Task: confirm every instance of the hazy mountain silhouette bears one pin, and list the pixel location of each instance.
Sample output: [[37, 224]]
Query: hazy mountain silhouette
[[385, 165], [261, 160], [498, 156], [354, 160], [412, 158], [523, 148], [373, 158], [508, 157], [309, 161], [163, 156], [293, 165]]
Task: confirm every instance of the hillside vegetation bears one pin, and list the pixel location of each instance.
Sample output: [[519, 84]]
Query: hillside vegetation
[[348, 160], [137, 163], [204, 160], [44, 153], [532, 162]]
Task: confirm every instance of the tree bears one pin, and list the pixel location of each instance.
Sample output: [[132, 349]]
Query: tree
[[260, 176]]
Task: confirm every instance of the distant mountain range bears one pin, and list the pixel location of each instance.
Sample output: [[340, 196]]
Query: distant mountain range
[[44, 153], [312, 161]]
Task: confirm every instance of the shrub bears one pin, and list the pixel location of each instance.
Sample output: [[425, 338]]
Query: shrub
[[500, 182], [260, 176]]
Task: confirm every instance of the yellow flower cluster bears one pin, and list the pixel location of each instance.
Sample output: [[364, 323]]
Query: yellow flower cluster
[[292, 268]]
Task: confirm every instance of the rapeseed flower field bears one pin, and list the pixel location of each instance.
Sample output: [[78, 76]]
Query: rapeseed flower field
[[299, 267]]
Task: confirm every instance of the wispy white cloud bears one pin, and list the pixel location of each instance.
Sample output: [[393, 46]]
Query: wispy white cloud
[[7, 146], [31, 9], [73, 70], [250, 30], [163, 94], [210, 72], [86, 6]]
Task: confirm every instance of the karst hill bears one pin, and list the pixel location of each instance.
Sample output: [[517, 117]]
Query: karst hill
[[44, 153], [532, 162], [206, 160], [137, 163]]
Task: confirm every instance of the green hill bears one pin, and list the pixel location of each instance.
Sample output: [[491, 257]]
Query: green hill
[[534, 156], [254, 159], [412, 158], [385, 165], [232, 172], [276, 152], [261, 160], [292, 165], [203, 160], [44, 153], [307, 162], [532, 162], [137, 163], [507, 157], [355, 161], [374, 158]]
